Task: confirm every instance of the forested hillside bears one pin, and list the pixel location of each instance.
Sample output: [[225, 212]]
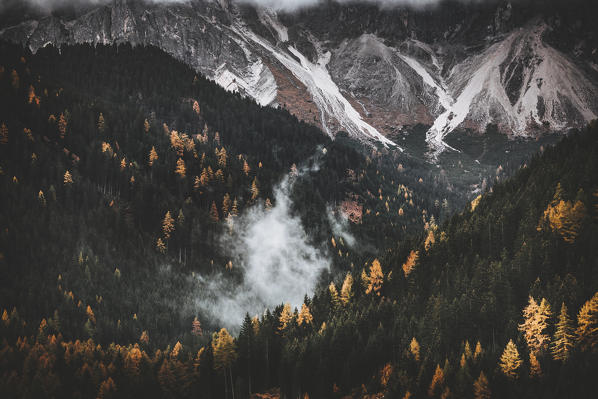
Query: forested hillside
[[120, 173]]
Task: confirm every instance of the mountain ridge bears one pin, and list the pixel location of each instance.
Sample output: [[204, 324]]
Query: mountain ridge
[[338, 80]]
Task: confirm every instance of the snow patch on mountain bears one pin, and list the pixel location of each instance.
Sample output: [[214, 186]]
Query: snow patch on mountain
[[257, 82], [269, 18], [443, 97], [520, 84], [324, 91]]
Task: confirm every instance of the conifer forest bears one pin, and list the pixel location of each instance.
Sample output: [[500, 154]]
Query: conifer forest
[[165, 236]]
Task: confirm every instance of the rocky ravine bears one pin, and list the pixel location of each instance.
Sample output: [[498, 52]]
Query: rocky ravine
[[366, 71]]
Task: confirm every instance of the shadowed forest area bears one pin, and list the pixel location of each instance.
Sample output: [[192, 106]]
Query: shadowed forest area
[[121, 171]]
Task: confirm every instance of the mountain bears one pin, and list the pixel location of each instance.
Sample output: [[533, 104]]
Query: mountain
[[526, 67]]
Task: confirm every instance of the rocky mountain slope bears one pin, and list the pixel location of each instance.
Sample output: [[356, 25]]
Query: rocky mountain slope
[[368, 71]]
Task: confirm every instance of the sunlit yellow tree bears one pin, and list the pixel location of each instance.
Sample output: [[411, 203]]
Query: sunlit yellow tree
[[587, 325], [510, 360], [563, 336], [375, 278]]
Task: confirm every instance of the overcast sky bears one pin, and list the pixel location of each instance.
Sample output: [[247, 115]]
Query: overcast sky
[[287, 5]]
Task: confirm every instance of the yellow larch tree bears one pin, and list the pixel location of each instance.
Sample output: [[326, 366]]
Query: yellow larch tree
[[563, 217], [286, 316], [437, 381], [430, 240], [153, 156], [410, 262], [535, 321], [222, 157], [144, 338], [107, 388], [180, 168], [90, 315], [246, 168], [375, 278], [304, 316], [204, 178], [587, 325], [225, 355], [385, 374], [478, 350], [414, 349], [176, 143], [160, 246], [255, 192], [62, 123], [347, 289], [535, 370], [68, 178], [41, 198], [334, 299], [510, 360], [480, 387], [563, 336], [167, 225], [146, 126], [196, 107]]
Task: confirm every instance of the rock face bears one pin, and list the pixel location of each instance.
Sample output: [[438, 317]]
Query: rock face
[[368, 71]]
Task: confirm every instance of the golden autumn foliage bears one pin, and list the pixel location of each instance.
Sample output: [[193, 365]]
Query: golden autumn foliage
[[563, 336], [385, 374], [347, 289], [563, 217], [160, 246], [286, 316], [146, 126], [304, 316], [153, 156], [535, 322], [144, 338], [255, 192], [478, 350], [196, 107], [414, 349], [180, 168], [68, 178], [62, 124], [410, 262], [437, 381], [90, 315], [480, 387], [587, 325], [107, 388], [334, 298], [246, 168], [167, 225], [535, 370], [176, 350], [510, 360], [375, 278], [430, 240], [475, 202]]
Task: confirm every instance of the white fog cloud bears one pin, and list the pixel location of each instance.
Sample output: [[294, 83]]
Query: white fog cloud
[[278, 263]]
